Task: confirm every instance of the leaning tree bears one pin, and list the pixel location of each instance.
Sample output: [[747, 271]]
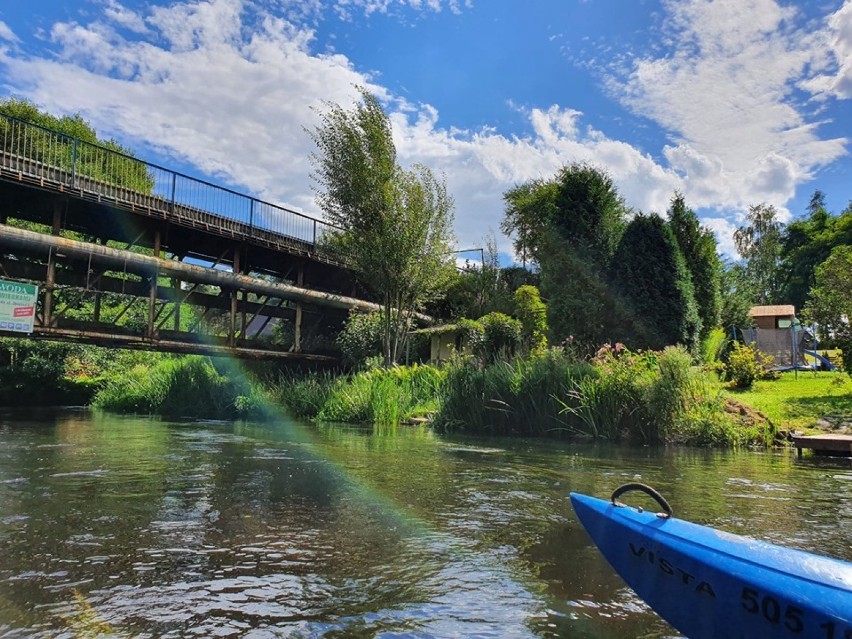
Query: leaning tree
[[393, 226]]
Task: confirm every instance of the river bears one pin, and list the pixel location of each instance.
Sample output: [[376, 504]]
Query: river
[[145, 528]]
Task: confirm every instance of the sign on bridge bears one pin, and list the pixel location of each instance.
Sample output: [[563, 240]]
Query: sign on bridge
[[17, 306]]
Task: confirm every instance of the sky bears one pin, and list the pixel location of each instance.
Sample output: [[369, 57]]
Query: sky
[[730, 102]]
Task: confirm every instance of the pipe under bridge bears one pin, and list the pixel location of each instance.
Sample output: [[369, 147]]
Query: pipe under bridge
[[130, 254]]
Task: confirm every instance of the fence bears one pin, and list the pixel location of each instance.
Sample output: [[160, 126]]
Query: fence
[[96, 170]]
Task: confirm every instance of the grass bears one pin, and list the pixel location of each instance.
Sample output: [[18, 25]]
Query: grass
[[176, 387], [379, 396], [797, 403]]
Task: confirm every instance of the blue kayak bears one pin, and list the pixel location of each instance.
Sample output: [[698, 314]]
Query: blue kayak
[[713, 585]]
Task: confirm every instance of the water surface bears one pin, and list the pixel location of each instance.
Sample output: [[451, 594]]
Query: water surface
[[145, 528]]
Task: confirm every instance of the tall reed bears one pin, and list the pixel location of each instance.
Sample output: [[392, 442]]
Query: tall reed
[[380, 396], [178, 387]]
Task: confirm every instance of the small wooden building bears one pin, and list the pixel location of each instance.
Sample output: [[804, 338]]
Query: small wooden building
[[778, 316], [445, 341]]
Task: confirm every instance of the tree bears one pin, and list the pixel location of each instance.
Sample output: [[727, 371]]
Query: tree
[[394, 226], [477, 291], [570, 225], [737, 296], [830, 303], [698, 246], [806, 243], [651, 275], [117, 167], [580, 203], [759, 244]]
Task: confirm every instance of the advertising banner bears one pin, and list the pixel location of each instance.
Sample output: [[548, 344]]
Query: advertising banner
[[17, 306]]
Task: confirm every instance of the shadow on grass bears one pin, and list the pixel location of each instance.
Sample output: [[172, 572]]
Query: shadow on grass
[[839, 406]]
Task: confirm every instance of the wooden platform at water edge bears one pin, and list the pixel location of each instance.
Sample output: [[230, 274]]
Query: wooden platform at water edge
[[835, 445]]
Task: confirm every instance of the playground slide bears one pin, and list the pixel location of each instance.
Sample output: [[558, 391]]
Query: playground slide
[[822, 360]]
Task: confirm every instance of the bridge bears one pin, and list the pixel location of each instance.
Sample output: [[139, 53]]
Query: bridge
[[131, 254]]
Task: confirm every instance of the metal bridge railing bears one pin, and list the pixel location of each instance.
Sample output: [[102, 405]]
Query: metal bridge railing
[[96, 169]]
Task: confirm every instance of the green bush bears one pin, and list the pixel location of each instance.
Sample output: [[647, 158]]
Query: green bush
[[361, 338], [742, 368], [303, 396], [713, 346], [520, 398], [669, 394], [532, 314], [501, 337]]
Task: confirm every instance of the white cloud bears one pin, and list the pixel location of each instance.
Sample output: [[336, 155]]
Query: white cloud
[[7, 34], [230, 87], [124, 17], [724, 231], [196, 86], [724, 93], [839, 43]]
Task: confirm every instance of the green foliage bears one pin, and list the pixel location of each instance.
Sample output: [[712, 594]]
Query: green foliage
[[384, 396], [830, 303], [177, 387], [759, 244], [102, 160], [651, 275], [510, 398], [303, 396], [698, 247], [394, 227], [361, 338], [501, 336], [737, 297], [581, 303], [472, 334], [531, 312], [42, 373], [743, 365], [669, 394], [570, 226], [475, 292], [712, 347], [807, 243]]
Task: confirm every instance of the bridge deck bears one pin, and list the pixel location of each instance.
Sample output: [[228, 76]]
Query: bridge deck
[[58, 180]]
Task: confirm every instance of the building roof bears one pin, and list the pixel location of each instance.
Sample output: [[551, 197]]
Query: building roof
[[436, 330], [779, 310]]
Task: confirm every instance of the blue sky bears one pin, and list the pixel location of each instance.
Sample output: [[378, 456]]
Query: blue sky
[[732, 102]]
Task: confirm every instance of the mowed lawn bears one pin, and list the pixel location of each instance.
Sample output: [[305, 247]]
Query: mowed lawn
[[799, 401]]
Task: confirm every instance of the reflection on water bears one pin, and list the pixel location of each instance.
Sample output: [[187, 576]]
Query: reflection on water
[[156, 529]]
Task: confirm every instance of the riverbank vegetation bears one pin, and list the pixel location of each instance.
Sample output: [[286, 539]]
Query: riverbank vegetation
[[650, 397], [610, 329]]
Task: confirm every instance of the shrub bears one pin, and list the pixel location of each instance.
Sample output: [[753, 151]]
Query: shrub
[[517, 398], [361, 338], [472, 335], [669, 394], [712, 347], [501, 336], [303, 396], [532, 314], [743, 367], [383, 396]]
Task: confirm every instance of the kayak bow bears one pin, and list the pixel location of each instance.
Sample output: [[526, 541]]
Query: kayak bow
[[710, 584]]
